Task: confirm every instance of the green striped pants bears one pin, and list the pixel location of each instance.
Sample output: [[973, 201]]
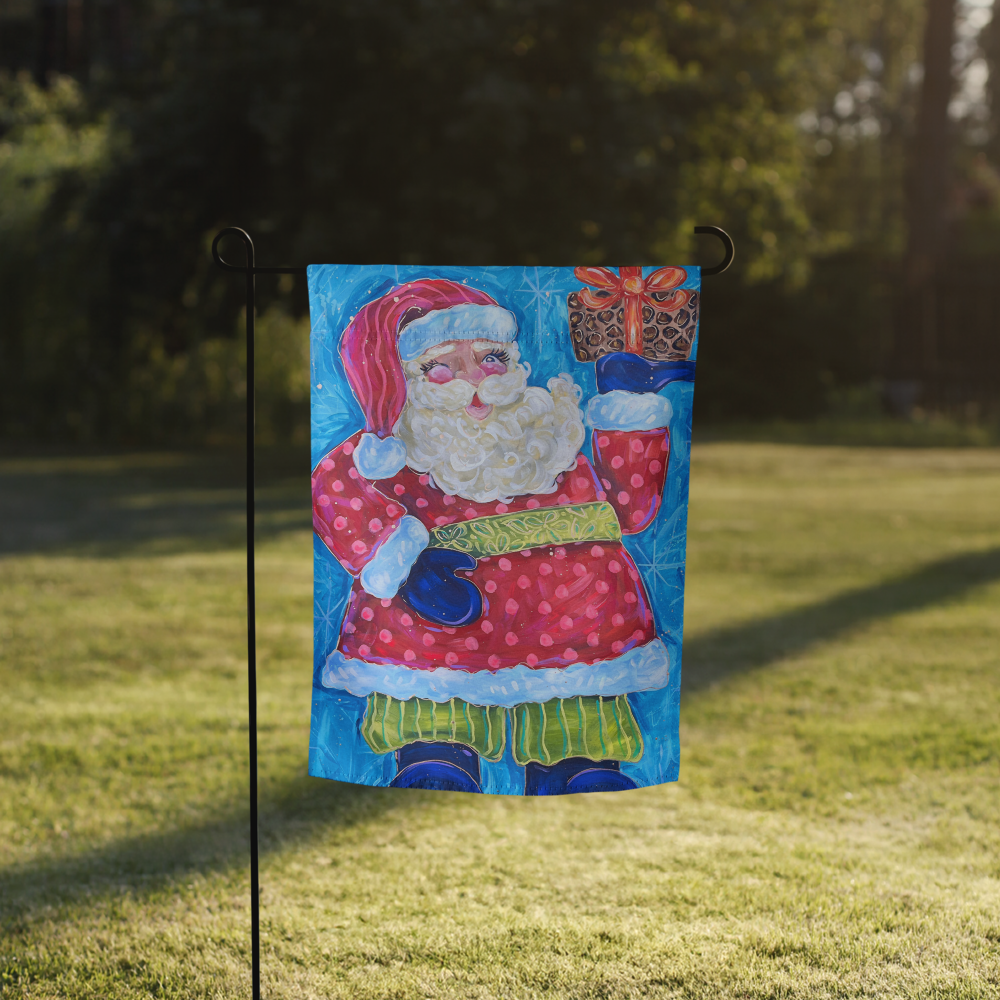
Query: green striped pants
[[591, 726]]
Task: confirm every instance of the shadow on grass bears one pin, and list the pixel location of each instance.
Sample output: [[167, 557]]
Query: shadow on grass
[[113, 505], [736, 649], [219, 844]]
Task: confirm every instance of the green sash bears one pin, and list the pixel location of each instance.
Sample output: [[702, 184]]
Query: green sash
[[498, 534]]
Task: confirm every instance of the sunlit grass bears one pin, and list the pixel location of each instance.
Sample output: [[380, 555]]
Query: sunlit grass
[[835, 832]]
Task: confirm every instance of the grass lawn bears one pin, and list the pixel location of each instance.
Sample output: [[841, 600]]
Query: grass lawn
[[835, 831]]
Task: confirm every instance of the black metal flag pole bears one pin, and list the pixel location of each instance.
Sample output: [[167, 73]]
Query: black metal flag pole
[[250, 270]]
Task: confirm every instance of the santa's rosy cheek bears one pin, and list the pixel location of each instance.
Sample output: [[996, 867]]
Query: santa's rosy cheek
[[439, 374], [493, 368]]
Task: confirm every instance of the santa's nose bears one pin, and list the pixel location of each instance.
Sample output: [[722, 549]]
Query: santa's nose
[[474, 375]]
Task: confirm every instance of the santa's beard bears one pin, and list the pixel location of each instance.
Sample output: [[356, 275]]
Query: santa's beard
[[529, 438]]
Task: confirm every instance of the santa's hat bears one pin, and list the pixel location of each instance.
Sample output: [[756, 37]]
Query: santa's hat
[[402, 325]]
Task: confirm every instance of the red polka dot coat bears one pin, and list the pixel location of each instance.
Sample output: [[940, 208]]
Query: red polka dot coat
[[544, 607]]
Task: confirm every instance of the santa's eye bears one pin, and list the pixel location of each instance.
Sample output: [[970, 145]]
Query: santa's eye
[[428, 366], [496, 357]]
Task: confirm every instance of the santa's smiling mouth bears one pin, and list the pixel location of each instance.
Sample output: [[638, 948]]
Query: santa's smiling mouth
[[478, 409]]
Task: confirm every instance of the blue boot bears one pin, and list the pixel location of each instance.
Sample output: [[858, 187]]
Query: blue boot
[[443, 767], [576, 774], [637, 374]]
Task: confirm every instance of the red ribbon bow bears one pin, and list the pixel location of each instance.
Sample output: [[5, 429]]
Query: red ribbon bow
[[630, 285]]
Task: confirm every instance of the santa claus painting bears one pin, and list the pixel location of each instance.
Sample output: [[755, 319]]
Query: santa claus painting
[[492, 619]]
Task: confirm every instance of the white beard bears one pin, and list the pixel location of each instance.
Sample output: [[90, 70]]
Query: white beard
[[529, 438]]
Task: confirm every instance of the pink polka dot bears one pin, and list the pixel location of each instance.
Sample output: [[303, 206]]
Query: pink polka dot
[[367, 614], [617, 462], [634, 573], [638, 516], [591, 611], [442, 520], [601, 495], [428, 639], [356, 503], [544, 569], [471, 512], [504, 564], [569, 655], [408, 654], [664, 444], [531, 660], [545, 639], [597, 552], [502, 508], [525, 553], [374, 524], [450, 631], [637, 446], [593, 639], [579, 569], [630, 598], [472, 643], [364, 650], [399, 489], [348, 448], [615, 566], [511, 606], [451, 659], [638, 635], [654, 466], [532, 504], [327, 464], [424, 479], [421, 502], [328, 540], [562, 498], [601, 587], [353, 473], [545, 608], [491, 586], [340, 523], [560, 553], [510, 639], [561, 591], [617, 647], [385, 602], [447, 500], [565, 623], [560, 478], [385, 635], [350, 628], [391, 509], [405, 620], [623, 497], [523, 582], [338, 486], [617, 620], [636, 480], [494, 661], [359, 547], [603, 441], [323, 500], [606, 484], [487, 627]]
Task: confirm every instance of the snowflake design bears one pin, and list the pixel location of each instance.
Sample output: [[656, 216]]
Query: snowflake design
[[538, 293], [328, 616], [662, 571]]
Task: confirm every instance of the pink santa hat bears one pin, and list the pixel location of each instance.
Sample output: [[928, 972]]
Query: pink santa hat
[[402, 325]]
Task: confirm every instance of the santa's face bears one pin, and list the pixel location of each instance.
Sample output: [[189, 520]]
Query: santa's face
[[475, 425], [469, 361]]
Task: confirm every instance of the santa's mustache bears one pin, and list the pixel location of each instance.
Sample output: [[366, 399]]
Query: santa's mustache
[[458, 394]]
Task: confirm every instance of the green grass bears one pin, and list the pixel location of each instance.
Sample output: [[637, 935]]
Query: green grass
[[835, 832]]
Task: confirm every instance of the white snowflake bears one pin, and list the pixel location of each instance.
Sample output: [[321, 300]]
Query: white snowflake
[[661, 570], [538, 294]]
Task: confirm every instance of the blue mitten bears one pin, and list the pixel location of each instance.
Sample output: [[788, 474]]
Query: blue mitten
[[634, 373], [436, 594]]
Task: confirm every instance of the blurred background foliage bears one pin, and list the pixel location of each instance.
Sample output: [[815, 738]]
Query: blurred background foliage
[[476, 132]]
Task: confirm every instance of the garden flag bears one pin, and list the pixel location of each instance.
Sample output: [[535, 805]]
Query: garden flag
[[499, 486]]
